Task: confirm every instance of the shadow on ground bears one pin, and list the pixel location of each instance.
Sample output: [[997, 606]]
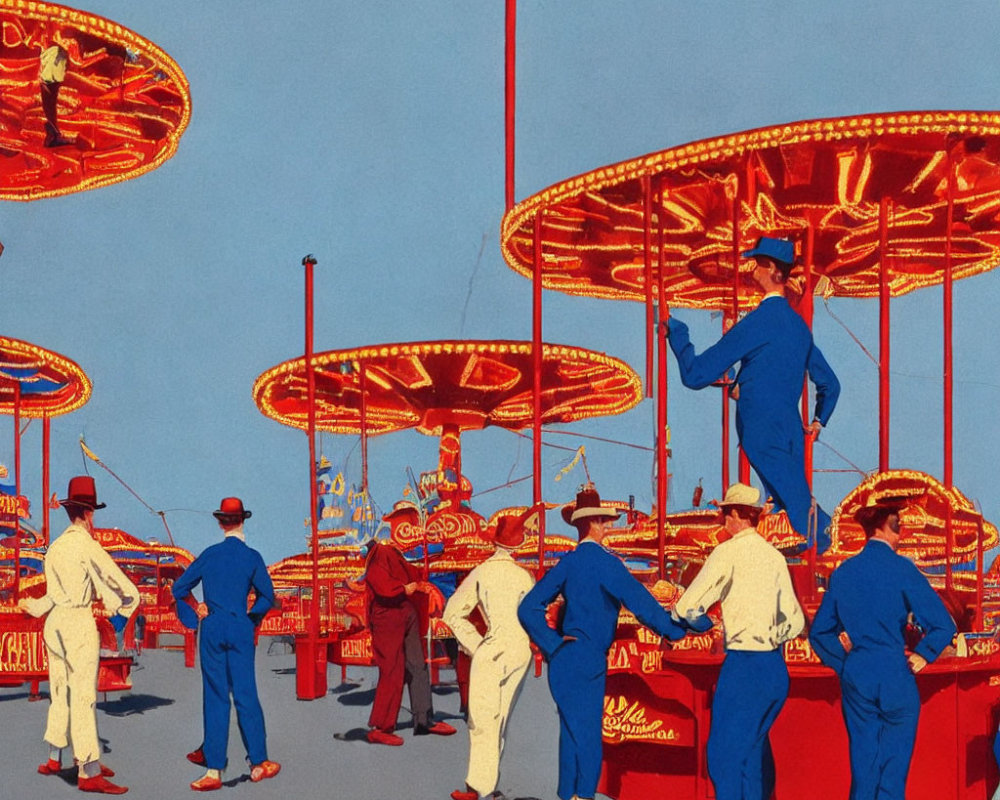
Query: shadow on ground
[[133, 704]]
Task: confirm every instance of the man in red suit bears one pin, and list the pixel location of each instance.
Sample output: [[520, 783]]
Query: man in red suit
[[396, 644]]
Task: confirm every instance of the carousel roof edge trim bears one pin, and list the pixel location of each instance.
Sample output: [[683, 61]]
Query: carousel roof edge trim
[[68, 366], [470, 346], [702, 151]]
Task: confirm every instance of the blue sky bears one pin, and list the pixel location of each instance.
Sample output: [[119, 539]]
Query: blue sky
[[371, 134]]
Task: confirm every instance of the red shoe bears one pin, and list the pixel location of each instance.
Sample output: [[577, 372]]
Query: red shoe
[[206, 783], [197, 757], [99, 784], [50, 767], [107, 772], [458, 794], [375, 736], [438, 729], [264, 770]]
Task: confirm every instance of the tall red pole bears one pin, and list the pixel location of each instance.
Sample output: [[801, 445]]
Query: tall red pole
[[509, 98], [46, 446], [647, 264], [17, 490], [662, 475], [883, 330], [310, 682], [661, 439], [536, 353], [806, 312], [948, 359], [363, 413], [749, 189]]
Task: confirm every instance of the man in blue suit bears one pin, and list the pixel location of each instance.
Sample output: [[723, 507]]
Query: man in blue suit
[[870, 598], [775, 350], [595, 584], [228, 571]]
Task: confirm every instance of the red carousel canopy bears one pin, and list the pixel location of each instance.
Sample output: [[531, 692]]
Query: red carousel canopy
[[923, 520], [86, 102], [50, 384], [827, 175], [431, 385], [336, 563]]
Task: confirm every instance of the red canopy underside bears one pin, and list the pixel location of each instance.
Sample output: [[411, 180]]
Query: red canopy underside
[[828, 175], [429, 385]]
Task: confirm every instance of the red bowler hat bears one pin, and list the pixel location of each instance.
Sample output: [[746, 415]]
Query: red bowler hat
[[510, 528], [82, 492], [588, 504], [231, 508]]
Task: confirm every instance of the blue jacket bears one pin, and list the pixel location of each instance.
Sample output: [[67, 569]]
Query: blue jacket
[[227, 571], [595, 584], [870, 596], [775, 350]]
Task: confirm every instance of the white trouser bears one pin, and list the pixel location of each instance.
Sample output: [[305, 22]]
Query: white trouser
[[496, 677], [72, 647]]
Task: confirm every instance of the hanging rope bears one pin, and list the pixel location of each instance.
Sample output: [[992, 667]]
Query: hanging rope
[[93, 457]]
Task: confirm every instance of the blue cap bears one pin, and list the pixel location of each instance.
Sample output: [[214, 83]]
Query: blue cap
[[779, 249]]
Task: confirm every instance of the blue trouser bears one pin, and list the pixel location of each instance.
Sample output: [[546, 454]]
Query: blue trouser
[[751, 690], [776, 451], [577, 674], [881, 705], [227, 666]]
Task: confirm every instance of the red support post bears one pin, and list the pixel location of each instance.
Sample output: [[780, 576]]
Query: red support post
[[17, 490], [806, 312], [363, 421], [46, 447], [661, 439], [948, 376], [662, 472], [884, 297], [536, 397], [310, 674], [647, 245], [510, 49]]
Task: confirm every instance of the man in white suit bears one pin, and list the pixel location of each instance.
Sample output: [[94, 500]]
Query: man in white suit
[[500, 658], [77, 572]]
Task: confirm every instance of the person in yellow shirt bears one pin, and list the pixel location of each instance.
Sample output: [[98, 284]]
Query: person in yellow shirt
[[79, 571]]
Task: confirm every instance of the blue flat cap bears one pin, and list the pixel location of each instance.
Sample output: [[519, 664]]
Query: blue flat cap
[[779, 249]]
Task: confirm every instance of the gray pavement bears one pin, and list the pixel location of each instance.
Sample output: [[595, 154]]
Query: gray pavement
[[320, 743]]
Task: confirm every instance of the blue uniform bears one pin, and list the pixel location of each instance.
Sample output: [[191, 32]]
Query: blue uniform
[[595, 585], [775, 350], [228, 571], [870, 596]]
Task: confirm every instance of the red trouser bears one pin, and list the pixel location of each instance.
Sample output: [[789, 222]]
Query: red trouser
[[399, 656]]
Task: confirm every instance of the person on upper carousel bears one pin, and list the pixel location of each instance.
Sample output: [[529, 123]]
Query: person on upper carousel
[[594, 584], [775, 350], [858, 631]]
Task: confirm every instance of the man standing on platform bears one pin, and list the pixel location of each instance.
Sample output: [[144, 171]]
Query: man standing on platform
[[760, 612], [77, 572], [775, 350], [397, 646], [500, 658], [871, 597], [228, 571], [594, 584]]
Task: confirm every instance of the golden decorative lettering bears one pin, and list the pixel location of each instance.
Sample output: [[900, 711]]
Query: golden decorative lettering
[[627, 721]]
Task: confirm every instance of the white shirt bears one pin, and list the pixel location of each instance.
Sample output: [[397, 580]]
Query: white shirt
[[497, 586], [750, 578], [78, 571]]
